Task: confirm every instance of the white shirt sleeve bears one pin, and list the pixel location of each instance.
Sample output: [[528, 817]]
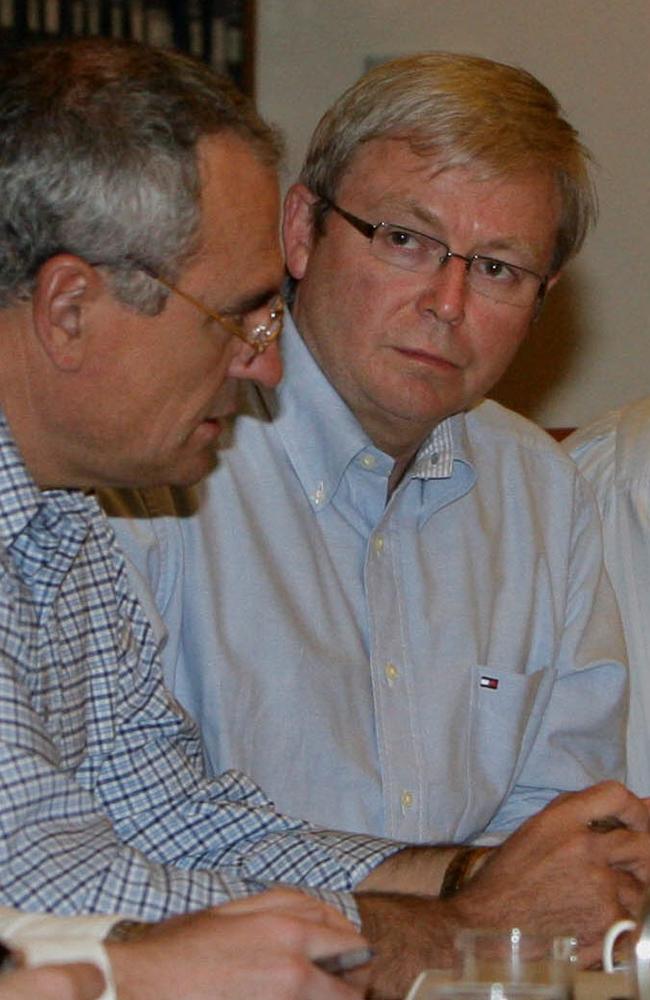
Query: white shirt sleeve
[[44, 938], [613, 453]]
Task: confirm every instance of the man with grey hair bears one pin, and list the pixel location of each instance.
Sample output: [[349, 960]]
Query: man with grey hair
[[139, 275]]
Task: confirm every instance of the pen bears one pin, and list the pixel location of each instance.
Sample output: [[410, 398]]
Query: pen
[[345, 961]]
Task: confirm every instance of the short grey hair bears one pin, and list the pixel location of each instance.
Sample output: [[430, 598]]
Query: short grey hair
[[463, 110], [98, 157]]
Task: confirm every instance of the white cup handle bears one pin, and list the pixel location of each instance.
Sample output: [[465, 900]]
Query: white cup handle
[[611, 937]]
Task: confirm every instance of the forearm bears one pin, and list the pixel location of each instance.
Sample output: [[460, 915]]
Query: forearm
[[84, 858], [408, 934], [135, 975], [424, 870], [265, 945]]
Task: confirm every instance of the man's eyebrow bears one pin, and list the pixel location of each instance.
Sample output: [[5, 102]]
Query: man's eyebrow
[[405, 206], [251, 302], [526, 254], [434, 227]]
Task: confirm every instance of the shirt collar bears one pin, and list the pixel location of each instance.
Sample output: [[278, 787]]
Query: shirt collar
[[435, 459], [322, 436]]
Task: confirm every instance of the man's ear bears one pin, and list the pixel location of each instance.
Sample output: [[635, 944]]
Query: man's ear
[[298, 229], [553, 280], [64, 286]]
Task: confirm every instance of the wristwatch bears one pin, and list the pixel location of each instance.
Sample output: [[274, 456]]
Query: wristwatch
[[8, 957], [127, 930]]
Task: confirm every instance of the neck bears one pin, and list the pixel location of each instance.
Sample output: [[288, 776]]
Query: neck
[[400, 468], [21, 397]]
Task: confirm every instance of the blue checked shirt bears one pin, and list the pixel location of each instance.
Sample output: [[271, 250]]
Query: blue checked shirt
[[104, 804]]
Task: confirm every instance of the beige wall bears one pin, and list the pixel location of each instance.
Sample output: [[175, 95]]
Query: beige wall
[[591, 349]]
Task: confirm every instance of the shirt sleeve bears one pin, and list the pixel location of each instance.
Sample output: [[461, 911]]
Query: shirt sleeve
[[140, 830], [613, 454], [581, 738], [593, 449]]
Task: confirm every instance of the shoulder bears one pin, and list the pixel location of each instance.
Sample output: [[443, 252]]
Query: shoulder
[[494, 427], [615, 447]]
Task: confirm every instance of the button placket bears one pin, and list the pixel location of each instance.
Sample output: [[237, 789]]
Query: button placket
[[389, 664]]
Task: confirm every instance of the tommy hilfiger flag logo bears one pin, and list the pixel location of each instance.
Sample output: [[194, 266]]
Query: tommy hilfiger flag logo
[[489, 682]]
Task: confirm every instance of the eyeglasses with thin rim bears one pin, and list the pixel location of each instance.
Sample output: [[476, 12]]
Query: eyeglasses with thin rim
[[410, 250], [257, 335]]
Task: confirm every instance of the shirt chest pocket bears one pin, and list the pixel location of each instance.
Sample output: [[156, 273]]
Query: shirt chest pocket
[[506, 712]]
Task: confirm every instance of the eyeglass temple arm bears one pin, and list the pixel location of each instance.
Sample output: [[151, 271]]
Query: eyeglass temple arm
[[365, 228], [219, 318]]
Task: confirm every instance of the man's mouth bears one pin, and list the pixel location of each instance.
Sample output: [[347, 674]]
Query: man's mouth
[[429, 358]]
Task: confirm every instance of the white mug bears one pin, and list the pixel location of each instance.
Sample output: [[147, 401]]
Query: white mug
[[612, 935]]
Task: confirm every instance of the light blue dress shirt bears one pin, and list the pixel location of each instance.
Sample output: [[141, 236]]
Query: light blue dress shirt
[[424, 669]]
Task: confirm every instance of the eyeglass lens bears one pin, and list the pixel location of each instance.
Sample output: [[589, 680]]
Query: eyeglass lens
[[260, 335], [491, 277]]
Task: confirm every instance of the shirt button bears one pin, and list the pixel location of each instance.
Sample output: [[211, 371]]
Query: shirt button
[[378, 544], [391, 672], [318, 496], [368, 461], [406, 800], [435, 458]]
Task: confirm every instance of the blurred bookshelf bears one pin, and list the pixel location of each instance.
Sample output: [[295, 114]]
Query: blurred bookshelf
[[221, 32]]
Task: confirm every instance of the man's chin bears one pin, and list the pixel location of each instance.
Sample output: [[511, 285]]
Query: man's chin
[[186, 470], [194, 470]]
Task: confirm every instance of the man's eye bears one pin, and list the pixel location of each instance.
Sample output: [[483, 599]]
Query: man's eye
[[497, 270], [403, 239]]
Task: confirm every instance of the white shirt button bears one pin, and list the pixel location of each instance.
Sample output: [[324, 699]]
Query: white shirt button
[[391, 672], [378, 544], [406, 800], [368, 461], [318, 496]]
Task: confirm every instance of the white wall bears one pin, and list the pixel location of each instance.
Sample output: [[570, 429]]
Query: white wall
[[591, 350]]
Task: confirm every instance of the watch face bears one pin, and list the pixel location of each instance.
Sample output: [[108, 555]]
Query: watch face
[[128, 930]]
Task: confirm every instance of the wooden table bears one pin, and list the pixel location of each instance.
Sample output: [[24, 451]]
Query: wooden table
[[587, 985], [603, 986]]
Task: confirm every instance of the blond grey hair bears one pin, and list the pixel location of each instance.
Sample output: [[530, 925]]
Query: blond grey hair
[[465, 111]]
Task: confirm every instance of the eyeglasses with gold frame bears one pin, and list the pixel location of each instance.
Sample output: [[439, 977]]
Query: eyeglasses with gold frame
[[257, 335]]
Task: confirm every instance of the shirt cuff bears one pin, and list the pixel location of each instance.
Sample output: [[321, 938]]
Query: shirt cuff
[[45, 938]]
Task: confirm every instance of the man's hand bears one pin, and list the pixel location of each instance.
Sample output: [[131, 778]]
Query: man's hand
[[77, 981], [257, 947], [558, 875], [554, 875]]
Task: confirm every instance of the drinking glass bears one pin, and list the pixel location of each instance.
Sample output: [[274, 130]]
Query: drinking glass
[[516, 957]]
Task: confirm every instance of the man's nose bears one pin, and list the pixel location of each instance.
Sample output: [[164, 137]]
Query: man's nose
[[264, 367], [446, 290]]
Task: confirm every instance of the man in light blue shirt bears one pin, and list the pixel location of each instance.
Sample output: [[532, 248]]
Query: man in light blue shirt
[[435, 650]]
